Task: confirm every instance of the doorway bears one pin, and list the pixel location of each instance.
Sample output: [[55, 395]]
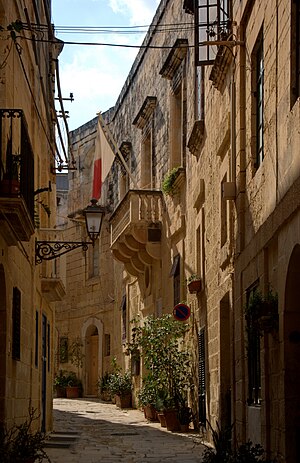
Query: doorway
[[292, 358], [225, 364], [3, 316], [92, 360], [44, 371]]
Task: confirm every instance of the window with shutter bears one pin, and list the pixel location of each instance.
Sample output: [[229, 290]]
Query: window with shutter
[[202, 378], [124, 319]]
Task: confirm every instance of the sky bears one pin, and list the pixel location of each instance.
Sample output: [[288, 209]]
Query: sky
[[96, 74]]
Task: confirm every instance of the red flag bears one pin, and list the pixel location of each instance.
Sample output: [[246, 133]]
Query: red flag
[[104, 157]]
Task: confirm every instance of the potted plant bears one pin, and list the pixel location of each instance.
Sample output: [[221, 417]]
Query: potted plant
[[261, 312], [76, 356], [103, 386], [60, 383], [160, 341], [74, 386], [10, 183], [185, 415], [120, 386], [194, 283], [147, 398], [167, 410], [75, 352], [20, 444], [169, 181]]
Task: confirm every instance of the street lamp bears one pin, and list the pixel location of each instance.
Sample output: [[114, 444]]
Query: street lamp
[[93, 219], [48, 250]]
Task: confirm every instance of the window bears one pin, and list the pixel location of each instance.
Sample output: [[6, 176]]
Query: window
[[295, 51], [125, 150], [63, 350], [94, 260], [253, 345], [176, 127], [124, 320], [212, 22], [258, 99], [146, 160], [202, 377], [107, 345], [200, 245], [16, 324], [199, 110], [144, 121], [224, 215], [175, 273], [36, 353]]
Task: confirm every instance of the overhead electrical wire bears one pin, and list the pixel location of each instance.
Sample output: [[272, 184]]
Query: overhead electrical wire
[[18, 48]]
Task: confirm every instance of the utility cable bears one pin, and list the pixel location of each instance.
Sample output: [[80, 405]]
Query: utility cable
[[63, 113], [18, 48]]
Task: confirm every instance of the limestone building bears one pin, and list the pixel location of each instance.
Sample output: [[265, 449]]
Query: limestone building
[[27, 205], [210, 110]]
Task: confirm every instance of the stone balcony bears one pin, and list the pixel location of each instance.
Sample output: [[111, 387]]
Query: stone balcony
[[136, 230]]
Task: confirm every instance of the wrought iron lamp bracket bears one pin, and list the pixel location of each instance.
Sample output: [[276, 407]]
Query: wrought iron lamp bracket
[[48, 250]]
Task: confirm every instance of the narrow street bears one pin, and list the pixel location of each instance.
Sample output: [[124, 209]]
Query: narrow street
[[91, 431]]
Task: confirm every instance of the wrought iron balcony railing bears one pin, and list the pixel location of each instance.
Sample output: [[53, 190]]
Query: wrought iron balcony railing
[[16, 178], [16, 158]]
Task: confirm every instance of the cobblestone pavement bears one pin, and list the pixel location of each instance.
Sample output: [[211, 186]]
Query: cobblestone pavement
[[92, 431]]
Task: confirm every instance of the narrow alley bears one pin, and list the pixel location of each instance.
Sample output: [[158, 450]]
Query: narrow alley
[[90, 431]]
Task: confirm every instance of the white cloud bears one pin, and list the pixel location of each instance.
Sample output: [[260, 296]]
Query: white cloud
[[140, 12], [95, 75]]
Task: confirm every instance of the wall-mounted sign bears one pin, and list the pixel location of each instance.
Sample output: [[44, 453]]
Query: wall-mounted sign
[[181, 312]]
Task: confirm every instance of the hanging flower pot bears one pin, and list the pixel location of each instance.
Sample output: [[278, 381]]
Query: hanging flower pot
[[194, 284]]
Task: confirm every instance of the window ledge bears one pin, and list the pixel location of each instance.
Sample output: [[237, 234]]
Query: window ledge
[[196, 136], [220, 67], [174, 59]]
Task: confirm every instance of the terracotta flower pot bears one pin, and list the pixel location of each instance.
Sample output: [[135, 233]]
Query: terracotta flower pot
[[60, 391], [72, 392], [10, 187], [194, 286], [162, 419], [123, 401], [172, 421], [150, 413]]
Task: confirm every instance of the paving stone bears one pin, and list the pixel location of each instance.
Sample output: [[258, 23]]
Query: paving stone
[[104, 432]]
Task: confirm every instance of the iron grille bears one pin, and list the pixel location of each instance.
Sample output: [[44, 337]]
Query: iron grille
[[212, 22], [16, 158]]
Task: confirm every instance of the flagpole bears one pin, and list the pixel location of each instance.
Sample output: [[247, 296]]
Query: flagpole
[[110, 137]]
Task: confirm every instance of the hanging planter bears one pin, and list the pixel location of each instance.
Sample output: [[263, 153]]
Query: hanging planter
[[194, 284], [262, 312]]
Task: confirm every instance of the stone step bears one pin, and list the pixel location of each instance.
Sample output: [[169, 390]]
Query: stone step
[[61, 439]]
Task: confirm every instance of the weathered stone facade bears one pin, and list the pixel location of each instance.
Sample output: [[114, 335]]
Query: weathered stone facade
[[232, 217], [27, 317]]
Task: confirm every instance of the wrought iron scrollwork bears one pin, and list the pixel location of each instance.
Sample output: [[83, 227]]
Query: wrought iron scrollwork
[[48, 250]]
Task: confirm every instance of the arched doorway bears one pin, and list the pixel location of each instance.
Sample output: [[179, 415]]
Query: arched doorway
[[3, 316], [292, 358], [91, 352]]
